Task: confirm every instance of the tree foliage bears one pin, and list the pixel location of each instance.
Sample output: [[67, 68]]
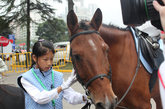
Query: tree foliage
[[4, 28], [54, 30], [18, 11]]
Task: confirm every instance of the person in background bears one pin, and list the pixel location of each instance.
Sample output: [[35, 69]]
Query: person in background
[[163, 38], [45, 88], [161, 10], [161, 71], [3, 68]]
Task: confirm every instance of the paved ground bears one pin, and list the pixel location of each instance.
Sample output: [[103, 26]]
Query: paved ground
[[11, 79]]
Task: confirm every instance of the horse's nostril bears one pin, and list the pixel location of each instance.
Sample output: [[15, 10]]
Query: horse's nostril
[[100, 106]]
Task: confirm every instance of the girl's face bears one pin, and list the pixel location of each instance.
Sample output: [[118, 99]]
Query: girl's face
[[44, 62]]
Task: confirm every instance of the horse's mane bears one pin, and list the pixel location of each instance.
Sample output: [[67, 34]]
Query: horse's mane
[[110, 25]]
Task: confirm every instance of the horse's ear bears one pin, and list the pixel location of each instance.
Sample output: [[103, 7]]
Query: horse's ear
[[97, 19], [72, 21]]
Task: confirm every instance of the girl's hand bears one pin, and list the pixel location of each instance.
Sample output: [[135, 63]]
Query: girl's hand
[[71, 80]]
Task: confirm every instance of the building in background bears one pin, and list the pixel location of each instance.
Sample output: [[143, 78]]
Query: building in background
[[21, 32], [85, 12]]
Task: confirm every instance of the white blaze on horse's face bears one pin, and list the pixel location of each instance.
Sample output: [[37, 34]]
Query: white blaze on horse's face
[[92, 44]]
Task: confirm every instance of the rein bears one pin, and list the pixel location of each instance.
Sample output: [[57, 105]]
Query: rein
[[137, 68], [101, 76]]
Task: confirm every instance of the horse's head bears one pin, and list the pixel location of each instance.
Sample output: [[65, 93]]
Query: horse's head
[[90, 59]]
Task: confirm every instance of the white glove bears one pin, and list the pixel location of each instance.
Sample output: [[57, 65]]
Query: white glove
[[71, 80], [86, 99]]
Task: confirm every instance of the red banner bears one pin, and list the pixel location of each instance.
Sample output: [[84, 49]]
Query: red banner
[[22, 44], [4, 41]]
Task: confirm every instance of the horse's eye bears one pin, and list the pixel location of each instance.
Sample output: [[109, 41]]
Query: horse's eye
[[77, 57]]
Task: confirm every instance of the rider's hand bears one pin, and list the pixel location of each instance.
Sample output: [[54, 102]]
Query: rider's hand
[[161, 10], [71, 80]]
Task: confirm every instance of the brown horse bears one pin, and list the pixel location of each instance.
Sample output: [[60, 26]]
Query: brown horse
[[123, 60], [90, 53], [90, 59]]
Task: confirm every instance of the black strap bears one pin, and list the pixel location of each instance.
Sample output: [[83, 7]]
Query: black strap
[[86, 106], [95, 77], [83, 32], [136, 72]]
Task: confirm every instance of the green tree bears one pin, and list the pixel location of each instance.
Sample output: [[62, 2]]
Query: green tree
[[4, 28], [54, 30], [19, 11]]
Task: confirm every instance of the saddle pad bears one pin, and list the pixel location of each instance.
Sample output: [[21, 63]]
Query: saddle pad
[[142, 59]]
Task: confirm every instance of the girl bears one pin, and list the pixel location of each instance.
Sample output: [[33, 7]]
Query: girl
[[43, 87]]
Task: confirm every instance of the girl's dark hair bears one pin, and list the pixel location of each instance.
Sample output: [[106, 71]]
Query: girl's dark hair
[[41, 47]]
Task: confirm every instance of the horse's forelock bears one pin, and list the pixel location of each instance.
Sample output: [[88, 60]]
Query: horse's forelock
[[84, 25]]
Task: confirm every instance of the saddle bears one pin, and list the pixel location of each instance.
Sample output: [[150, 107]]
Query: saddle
[[152, 53], [151, 50], [11, 97]]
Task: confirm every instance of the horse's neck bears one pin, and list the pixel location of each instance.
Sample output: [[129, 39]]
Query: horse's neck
[[113, 36], [121, 44]]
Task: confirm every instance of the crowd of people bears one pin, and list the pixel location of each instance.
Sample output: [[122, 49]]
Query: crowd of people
[[3, 68]]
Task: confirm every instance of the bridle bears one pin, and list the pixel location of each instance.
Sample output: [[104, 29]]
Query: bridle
[[101, 76]]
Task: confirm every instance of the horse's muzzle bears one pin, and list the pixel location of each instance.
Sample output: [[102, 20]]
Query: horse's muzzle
[[111, 105]]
